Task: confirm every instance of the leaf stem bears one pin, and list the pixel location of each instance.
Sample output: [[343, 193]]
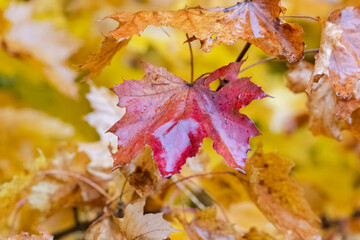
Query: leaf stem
[[77, 176], [123, 188], [315, 50], [188, 193], [239, 58], [304, 17], [191, 59], [202, 175], [243, 52]]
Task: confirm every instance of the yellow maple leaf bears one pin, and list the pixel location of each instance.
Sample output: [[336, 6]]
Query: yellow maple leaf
[[279, 196]]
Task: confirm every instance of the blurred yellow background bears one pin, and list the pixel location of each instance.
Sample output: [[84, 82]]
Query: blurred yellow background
[[43, 102]]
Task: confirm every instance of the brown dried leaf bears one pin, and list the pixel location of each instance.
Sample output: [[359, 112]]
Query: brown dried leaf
[[279, 196], [224, 188], [136, 225], [96, 62], [334, 90], [105, 230], [68, 173], [341, 42], [48, 45], [255, 21], [48, 195], [143, 174], [321, 104], [299, 76], [52, 188], [354, 127], [206, 226]]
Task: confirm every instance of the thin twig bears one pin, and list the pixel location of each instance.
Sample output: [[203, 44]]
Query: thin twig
[[222, 210], [257, 63], [188, 193], [77, 176], [123, 188], [76, 216], [243, 52], [221, 207], [241, 177], [94, 222], [315, 50], [304, 17], [202, 175], [191, 59], [274, 58]]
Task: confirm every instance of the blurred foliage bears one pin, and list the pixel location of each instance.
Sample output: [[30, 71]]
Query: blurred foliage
[[39, 121]]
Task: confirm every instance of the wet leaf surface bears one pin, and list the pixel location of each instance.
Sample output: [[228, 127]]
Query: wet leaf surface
[[173, 117]]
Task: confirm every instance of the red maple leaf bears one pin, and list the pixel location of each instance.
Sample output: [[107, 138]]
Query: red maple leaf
[[173, 116]]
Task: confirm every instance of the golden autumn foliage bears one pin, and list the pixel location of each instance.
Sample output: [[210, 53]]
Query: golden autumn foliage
[[90, 148]]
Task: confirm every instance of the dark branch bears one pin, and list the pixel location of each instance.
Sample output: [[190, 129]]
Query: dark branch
[[80, 227], [191, 58], [243, 52]]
